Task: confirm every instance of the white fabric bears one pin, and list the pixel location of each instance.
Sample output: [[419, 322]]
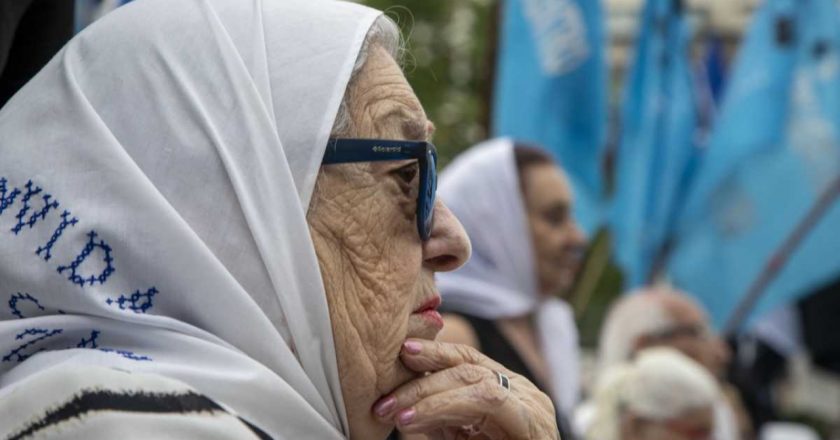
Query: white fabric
[[93, 401], [725, 423], [787, 431], [481, 187], [188, 136]]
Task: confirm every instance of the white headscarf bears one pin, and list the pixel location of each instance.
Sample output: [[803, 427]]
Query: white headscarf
[[481, 187], [183, 140]]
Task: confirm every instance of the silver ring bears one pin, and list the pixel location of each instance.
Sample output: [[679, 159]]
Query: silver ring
[[504, 381]]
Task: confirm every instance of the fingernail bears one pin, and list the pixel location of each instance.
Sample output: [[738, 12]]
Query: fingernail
[[407, 416], [385, 406], [412, 347]]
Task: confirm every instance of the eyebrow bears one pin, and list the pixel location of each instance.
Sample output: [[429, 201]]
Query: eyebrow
[[416, 129]]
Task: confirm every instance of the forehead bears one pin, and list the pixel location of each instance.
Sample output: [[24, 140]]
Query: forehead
[[696, 418], [384, 102], [683, 310], [546, 184]]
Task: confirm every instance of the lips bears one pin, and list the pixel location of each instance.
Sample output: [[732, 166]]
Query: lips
[[431, 304], [429, 313]]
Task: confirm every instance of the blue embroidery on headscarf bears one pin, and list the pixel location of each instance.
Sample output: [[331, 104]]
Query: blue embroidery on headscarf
[[137, 302], [34, 217], [44, 334], [5, 201], [58, 231], [89, 247], [91, 343], [126, 354], [13, 300]]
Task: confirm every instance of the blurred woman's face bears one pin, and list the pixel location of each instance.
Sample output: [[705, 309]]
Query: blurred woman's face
[[378, 274], [558, 241], [693, 425]]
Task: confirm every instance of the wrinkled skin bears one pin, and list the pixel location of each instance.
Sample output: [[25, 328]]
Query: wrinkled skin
[[376, 272], [558, 241]]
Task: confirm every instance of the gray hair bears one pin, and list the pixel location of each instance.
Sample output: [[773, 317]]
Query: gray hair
[[635, 315], [383, 33], [660, 384]]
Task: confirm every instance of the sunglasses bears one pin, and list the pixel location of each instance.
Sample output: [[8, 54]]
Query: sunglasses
[[344, 150]]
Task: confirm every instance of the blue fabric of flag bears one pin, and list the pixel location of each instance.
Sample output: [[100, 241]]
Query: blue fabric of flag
[[762, 216], [550, 90], [658, 146], [715, 67]]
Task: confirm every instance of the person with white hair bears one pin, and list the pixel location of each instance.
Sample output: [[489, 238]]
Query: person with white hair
[[662, 316], [661, 394]]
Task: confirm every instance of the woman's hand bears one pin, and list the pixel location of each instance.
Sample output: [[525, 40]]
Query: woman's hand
[[460, 397]]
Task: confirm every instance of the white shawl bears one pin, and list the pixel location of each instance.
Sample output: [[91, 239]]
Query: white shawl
[[154, 183], [500, 280]]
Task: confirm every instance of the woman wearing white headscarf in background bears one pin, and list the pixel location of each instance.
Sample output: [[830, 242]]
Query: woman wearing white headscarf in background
[[516, 206], [171, 268]]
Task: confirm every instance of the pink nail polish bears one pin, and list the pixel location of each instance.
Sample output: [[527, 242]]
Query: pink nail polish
[[385, 406], [407, 416], [412, 347]]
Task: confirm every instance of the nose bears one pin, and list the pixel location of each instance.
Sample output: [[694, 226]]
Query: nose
[[577, 236], [448, 247]]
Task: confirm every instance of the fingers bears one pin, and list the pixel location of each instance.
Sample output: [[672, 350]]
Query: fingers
[[462, 388], [416, 390], [421, 356], [484, 405]]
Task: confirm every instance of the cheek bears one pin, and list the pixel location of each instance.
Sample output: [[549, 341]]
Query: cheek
[[542, 235], [548, 243], [382, 261]]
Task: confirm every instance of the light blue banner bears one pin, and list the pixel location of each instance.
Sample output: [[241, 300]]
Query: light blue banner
[[550, 89], [659, 132], [763, 214]]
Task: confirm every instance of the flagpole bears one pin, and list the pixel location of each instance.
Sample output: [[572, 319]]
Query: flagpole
[[780, 258]]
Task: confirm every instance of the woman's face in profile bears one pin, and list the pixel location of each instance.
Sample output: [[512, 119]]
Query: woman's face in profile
[[378, 274], [558, 241]]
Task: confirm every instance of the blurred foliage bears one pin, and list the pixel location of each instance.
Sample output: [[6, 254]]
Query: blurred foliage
[[599, 283], [449, 63]]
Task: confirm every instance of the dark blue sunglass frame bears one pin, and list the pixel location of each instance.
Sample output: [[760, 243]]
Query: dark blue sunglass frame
[[345, 150]]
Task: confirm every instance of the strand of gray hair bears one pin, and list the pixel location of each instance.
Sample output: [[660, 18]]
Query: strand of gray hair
[[383, 33]]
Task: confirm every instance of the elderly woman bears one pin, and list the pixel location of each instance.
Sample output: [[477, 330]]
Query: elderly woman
[[516, 205], [660, 395], [219, 221]]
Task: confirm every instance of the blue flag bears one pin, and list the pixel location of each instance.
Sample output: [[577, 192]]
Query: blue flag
[[657, 150], [550, 89], [760, 225]]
